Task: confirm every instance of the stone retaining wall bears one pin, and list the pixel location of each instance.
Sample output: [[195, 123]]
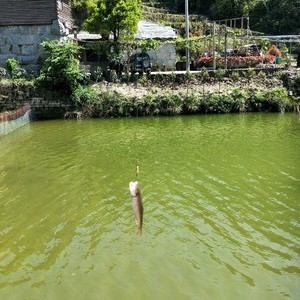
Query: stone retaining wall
[[23, 42], [14, 96], [21, 103]]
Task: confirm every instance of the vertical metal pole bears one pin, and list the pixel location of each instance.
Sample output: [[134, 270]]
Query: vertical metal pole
[[242, 24], [248, 29], [214, 46], [187, 35], [225, 61]]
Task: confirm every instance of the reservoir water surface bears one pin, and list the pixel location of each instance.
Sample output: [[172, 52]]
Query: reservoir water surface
[[221, 208]]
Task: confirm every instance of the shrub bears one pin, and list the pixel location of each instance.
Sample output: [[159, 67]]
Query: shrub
[[170, 104], [97, 74], [203, 76], [13, 68], [235, 76], [60, 70], [272, 100], [191, 104], [262, 75], [85, 94], [249, 73], [3, 73], [240, 96], [275, 100]]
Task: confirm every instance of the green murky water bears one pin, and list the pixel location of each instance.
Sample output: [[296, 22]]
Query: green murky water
[[221, 201]]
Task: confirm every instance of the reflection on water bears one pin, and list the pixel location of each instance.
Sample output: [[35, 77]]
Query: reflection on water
[[220, 198]]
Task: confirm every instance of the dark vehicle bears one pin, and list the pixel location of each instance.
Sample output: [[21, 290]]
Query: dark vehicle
[[140, 63]]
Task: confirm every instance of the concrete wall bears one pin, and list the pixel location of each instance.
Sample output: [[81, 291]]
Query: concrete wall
[[164, 57], [23, 42], [12, 120]]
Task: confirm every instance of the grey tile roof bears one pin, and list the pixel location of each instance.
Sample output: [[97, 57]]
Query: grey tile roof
[[148, 30]]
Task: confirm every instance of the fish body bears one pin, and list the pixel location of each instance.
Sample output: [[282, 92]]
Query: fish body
[[137, 203]]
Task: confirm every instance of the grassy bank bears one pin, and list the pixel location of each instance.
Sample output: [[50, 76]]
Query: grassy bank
[[192, 93], [166, 95], [122, 101]]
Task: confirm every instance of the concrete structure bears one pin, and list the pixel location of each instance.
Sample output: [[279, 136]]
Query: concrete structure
[[25, 24], [9, 121], [164, 57]]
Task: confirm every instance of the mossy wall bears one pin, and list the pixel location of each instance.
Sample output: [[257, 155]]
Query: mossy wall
[[45, 104]]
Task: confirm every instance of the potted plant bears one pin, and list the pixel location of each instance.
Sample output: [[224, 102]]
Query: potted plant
[[273, 50]]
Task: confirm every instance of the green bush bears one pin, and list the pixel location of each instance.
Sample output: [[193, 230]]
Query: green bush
[[191, 104], [3, 73], [250, 73], [203, 76], [272, 100], [85, 94], [60, 70], [235, 76], [13, 68]]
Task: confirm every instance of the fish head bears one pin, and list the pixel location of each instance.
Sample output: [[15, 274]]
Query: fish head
[[133, 188]]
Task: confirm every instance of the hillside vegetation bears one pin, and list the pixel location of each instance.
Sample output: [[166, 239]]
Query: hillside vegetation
[[268, 16]]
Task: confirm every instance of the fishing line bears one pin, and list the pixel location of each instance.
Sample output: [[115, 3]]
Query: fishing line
[[137, 167]]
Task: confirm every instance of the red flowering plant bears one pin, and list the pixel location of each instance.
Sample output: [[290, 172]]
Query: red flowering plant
[[243, 61], [207, 61], [235, 62]]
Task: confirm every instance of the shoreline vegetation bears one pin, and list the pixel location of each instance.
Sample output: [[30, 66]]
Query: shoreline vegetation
[[190, 93], [174, 94]]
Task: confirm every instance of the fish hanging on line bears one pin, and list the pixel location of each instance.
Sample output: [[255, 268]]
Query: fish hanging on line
[[137, 203]]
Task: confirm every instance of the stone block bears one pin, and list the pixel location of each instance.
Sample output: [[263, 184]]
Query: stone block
[[23, 39], [30, 49], [24, 29], [33, 29], [5, 50], [28, 59], [16, 49], [2, 41], [7, 30], [44, 30]]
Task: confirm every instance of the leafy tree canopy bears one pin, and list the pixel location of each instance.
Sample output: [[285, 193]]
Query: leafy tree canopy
[[116, 17]]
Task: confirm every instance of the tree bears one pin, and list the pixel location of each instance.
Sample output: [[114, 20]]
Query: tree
[[222, 9], [276, 16], [114, 17], [79, 12], [60, 69]]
